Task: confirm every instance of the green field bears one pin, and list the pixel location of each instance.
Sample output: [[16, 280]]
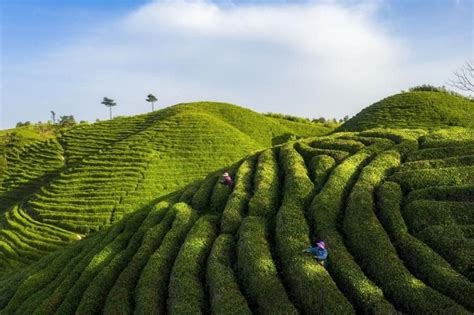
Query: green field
[[162, 235], [58, 190]]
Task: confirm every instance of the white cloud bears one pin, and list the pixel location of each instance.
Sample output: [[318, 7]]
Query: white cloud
[[313, 59]]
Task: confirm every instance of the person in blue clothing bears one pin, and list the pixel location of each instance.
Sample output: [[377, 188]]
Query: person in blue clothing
[[319, 251]]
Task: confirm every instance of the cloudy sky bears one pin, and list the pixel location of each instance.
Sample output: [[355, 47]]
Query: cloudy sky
[[306, 58]]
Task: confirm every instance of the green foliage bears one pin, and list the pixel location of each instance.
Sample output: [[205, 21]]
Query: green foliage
[[450, 176], [162, 256], [237, 204], [150, 292], [66, 121], [414, 110], [324, 213], [225, 296], [372, 248], [419, 214], [258, 271], [451, 243], [266, 181], [308, 152], [441, 153], [320, 166], [423, 262], [186, 287], [310, 285], [120, 297]]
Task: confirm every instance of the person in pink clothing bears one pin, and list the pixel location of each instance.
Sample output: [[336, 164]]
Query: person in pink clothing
[[227, 180]]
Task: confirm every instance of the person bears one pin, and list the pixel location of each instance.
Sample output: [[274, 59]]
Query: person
[[227, 180], [319, 251]]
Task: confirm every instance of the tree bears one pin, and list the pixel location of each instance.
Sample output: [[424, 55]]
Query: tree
[[66, 121], [464, 77], [53, 116], [109, 103], [152, 99]]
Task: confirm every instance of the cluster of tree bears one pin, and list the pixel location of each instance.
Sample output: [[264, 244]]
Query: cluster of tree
[[321, 120], [331, 120], [66, 121], [108, 102], [432, 88]]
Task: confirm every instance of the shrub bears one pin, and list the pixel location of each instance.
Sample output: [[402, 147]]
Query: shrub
[[94, 297], [186, 294], [120, 298], [202, 196], [150, 293], [225, 296], [440, 153], [420, 259], [372, 247], [266, 181], [420, 214], [309, 152], [237, 204], [451, 243], [320, 167], [52, 283], [451, 176], [452, 193], [351, 146], [457, 161], [310, 285], [324, 213], [258, 271], [189, 191], [100, 261], [221, 193]]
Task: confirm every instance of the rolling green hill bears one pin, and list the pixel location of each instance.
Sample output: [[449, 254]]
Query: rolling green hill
[[58, 190], [422, 109], [393, 206]]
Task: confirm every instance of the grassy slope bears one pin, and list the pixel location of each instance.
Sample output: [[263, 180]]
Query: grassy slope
[[245, 245], [92, 175], [415, 110]]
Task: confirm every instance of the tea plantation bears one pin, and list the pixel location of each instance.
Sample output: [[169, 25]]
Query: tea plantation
[[59, 190], [418, 109], [394, 206]]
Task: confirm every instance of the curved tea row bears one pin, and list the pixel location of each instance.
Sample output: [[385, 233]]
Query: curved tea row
[[396, 215]]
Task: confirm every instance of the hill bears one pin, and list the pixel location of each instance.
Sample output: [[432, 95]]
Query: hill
[[393, 206], [58, 190], [419, 109]]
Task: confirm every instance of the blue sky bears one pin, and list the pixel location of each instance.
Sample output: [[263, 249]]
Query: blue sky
[[308, 58]]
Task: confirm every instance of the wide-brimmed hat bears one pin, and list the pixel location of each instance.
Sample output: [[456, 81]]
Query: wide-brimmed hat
[[225, 174], [321, 244]]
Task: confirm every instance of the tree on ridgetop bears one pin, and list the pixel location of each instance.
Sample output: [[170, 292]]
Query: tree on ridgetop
[[67, 121], [109, 103], [464, 77], [53, 116], [151, 99]]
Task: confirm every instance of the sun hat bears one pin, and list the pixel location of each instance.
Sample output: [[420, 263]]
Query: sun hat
[[321, 244], [225, 174]]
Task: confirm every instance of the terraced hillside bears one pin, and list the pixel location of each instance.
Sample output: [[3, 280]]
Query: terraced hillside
[[395, 208], [55, 191], [421, 109]]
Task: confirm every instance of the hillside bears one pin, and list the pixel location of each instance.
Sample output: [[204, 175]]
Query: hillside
[[56, 191], [422, 109], [393, 206]]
